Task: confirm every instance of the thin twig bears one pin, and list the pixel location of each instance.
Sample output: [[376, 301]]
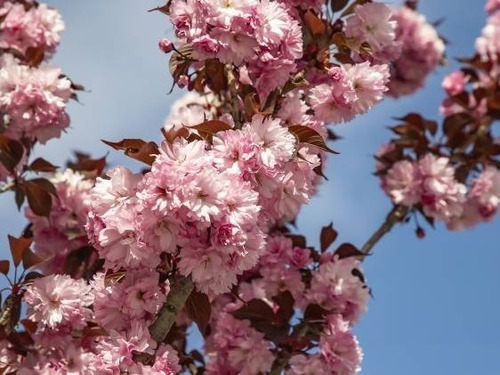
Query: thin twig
[[6, 187], [180, 290], [396, 215]]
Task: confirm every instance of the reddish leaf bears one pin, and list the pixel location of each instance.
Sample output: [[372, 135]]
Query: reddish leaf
[[11, 152], [255, 310], [88, 166], [327, 237], [4, 266], [199, 310], [35, 55], [30, 259], [42, 165], [314, 312], [297, 240], [337, 5], [285, 302], [29, 326], [212, 127], [18, 247], [180, 61], [20, 195], [314, 24], [136, 149], [347, 250], [31, 276], [39, 199], [310, 136]]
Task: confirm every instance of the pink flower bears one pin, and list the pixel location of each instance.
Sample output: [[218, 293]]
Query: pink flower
[[241, 348], [58, 299], [441, 195], [454, 83], [492, 6], [488, 44], [401, 183], [308, 365], [339, 347], [335, 287], [64, 230], [369, 84], [373, 23], [38, 27], [33, 100], [422, 51]]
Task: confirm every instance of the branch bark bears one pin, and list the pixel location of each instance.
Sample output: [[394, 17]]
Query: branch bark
[[396, 215], [6, 187], [180, 290]]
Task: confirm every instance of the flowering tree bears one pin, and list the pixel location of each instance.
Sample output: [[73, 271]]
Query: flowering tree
[[118, 265]]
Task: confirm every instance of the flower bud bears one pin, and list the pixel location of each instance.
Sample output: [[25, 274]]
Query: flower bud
[[166, 46]]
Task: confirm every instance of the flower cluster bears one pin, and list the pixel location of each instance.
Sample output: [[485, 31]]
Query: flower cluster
[[33, 100], [27, 25], [421, 51], [431, 183], [335, 287], [488, 44], [64, 230], [260, 37]]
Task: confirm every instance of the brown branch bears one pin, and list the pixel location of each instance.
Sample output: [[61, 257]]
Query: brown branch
[[180, 290], [6, 187], [396, 215]]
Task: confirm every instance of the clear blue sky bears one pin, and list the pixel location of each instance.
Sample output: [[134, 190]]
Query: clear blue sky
[[436, 308]]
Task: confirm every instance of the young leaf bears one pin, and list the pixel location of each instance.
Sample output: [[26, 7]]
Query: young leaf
[[4, 266], [11, 152], [310, 136], [337, 5], [136, 149], [42, 165], [327, 237], [39, 199], [347, 250], [316, 25], [30, 259], [199, 310], [18, 247], [212, 126]]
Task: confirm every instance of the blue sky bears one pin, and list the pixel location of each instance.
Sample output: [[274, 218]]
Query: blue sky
[[436, 303]]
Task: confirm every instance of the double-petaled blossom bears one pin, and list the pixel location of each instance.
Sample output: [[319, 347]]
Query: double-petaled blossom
[[430, 182], [350, 90], [488, 44], [64, 230], [59, 300], [33, 100], [373, 23], [482, 201], [422, 51], [36, 27]]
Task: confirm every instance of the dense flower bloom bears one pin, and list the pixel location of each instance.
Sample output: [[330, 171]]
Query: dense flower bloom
[[336, 287], [33, 100], [63, 231], [422, 51], [401, 183], [59, 299], [350, 90], [237, 347], [492, 6], [483, 200], [339, 347], [488, 44], [38, 27], [373, 23]]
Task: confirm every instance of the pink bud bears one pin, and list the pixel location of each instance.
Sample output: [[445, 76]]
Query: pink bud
[[183, 81], [166, 46]]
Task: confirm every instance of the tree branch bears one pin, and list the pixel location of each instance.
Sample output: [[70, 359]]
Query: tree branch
[[180, 290], [6, 187], [396, 215]]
